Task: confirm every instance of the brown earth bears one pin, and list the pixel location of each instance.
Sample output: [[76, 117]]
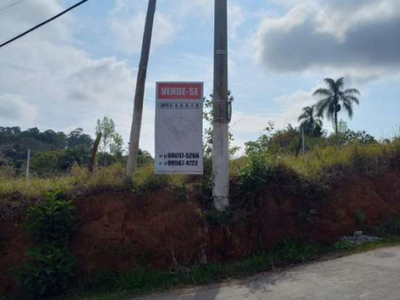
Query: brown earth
[[119, 231]]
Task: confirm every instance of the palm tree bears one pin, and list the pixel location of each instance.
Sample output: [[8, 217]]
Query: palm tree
[[309, 120], [333, 96]]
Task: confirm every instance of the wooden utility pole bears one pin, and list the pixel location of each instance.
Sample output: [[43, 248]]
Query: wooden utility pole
[[221, 108], [140, 89], [94, 152]]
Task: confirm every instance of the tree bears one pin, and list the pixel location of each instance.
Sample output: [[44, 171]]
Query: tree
[[107, 129], [309, 120], [78, 138], [116, 146], [333, 97], [144, 158], [347, 136], [208, 132]]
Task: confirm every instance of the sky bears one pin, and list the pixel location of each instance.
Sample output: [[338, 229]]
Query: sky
[[83, 66]]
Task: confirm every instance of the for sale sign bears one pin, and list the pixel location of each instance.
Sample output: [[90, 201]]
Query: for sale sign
[[179, 128]]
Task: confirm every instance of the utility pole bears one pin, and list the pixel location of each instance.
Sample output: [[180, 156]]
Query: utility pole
[[303, 140], [140, 89], [28, 163], [221, 108]]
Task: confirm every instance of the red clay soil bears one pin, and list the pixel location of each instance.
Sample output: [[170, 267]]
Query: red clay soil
[[378, 198], [119, 231]]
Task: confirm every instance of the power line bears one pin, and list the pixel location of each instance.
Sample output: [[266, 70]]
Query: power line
[[42, 24], [11, 5]]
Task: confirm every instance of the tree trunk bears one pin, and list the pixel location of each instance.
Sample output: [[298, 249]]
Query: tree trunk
[[336, 122]]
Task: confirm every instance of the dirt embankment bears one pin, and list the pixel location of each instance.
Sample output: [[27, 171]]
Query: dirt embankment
[[119, 231]]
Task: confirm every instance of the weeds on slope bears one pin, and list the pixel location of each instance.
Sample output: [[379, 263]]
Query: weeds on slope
[[306, 176]]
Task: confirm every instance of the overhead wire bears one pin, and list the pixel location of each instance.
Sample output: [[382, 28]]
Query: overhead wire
[[42, 24], [11, 5]]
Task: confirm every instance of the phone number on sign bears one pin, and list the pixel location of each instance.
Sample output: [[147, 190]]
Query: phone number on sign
[[181, 163], [183, 155]]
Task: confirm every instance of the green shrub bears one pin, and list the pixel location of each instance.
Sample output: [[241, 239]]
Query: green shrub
[[204, 274], [253, 177], [145, 280], [343, 246], [47, 163], [215, 218], [297, 252], [52, 221], [389, 228], [203, 185], [48, 274], [51, 266], [146, 181], [360, 216]]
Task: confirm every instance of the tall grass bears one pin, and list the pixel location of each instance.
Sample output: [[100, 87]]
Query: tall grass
[[18, 193], [357, 158], [321, 165]]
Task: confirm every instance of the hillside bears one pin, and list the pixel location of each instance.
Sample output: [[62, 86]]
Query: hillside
[[167, 223]]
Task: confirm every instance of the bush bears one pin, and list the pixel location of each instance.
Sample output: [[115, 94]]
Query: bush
[[53, 221], [146, 181], [253, 177], [360, 216], [48, 274], [51, 267], [47, 163], [390, 228], [297, 252]]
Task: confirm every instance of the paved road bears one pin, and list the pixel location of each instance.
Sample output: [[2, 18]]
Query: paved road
[[369, 276]]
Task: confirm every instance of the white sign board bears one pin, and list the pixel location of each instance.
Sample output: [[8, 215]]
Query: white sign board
[[179, 128]]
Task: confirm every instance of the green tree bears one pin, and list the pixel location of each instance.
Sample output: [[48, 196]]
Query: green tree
[[116, 146], [144, 158], [333, 98], [107, 129], [208, 132], [78, 138], [309, 120], [47, 163]]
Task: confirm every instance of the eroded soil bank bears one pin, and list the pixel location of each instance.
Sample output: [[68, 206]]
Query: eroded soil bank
[[119, 231]]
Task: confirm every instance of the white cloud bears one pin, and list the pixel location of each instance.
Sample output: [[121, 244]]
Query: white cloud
[[236, 18], [15, 109], [249, 126], [22, 17], [354, 38], [100, 81], [128, 30], [48, 82]]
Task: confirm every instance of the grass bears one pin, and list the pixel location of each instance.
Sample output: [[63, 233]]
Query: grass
[[141, 282], [16, 194], [355, 158], [322, 166], [368, 159]]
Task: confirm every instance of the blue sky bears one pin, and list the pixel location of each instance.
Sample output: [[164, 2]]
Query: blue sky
[[83, 66]]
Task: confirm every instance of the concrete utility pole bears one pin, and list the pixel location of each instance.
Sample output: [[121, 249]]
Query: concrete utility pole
[[140, 88], [28, 163], [220, 107]]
